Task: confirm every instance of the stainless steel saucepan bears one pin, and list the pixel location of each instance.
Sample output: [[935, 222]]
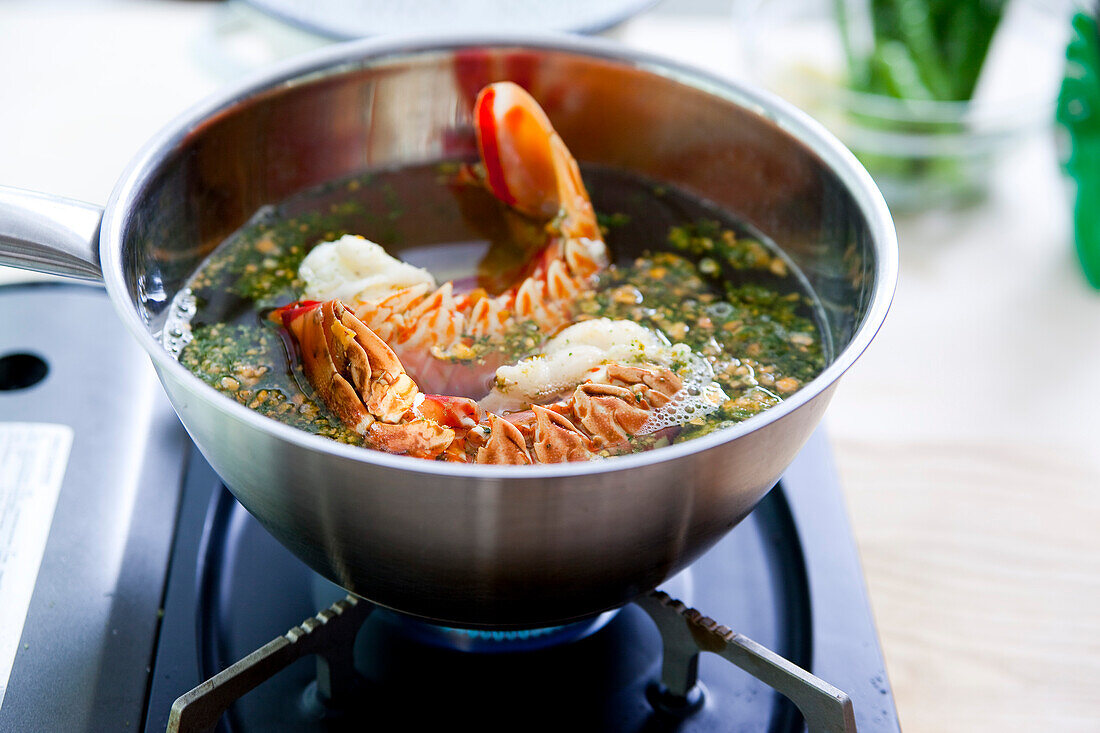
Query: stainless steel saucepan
[[470, 545]]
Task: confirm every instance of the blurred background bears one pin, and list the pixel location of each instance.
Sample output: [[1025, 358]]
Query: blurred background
[[967, 438]]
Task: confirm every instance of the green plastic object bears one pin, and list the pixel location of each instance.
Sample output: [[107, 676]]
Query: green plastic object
[[1079, 113]]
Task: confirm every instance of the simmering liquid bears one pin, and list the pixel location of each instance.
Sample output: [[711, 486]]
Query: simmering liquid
[[681, 267]]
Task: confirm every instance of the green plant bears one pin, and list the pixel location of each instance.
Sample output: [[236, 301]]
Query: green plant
[[917, 49], [921, 53]]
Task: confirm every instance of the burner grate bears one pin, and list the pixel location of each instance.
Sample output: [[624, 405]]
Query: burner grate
[[789, 574], [330, 635], [685, 634]]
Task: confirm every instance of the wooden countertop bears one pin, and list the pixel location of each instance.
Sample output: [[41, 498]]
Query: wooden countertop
[[968, 437], [968, 441]]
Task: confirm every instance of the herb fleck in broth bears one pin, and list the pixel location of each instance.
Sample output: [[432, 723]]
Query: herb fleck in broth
[[681, 267]]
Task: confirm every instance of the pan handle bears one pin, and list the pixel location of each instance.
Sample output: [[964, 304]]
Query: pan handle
[[49, 234]]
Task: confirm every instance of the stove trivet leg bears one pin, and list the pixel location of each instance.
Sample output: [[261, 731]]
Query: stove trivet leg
[[685, 633], [330, 635]]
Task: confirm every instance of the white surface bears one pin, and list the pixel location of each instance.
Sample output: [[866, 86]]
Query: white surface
[[33, 457], [967, 437]]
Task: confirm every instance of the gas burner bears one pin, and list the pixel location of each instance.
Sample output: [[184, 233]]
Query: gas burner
[[493, 641], [788, 576], [685, 634]]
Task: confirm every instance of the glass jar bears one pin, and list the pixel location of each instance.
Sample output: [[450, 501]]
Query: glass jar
[[922, 153]]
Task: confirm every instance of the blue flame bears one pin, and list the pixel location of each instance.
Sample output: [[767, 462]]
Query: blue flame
[[503, 636]]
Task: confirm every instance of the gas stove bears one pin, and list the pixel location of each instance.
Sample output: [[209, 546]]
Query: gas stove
[[138, 594]]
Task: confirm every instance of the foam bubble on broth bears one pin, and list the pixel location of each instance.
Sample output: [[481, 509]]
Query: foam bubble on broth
[[177, 326], [699, 396]]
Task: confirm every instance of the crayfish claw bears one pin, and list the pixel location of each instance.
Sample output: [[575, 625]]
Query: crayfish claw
[[306, 325], [416, 438]]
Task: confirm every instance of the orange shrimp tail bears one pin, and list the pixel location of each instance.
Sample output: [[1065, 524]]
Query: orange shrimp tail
[[527, 165]]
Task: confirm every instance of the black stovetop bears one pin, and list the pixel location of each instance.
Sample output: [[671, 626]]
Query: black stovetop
[[788, 577]]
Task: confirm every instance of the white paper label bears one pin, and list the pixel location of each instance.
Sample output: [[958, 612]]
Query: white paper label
[[33, 457]]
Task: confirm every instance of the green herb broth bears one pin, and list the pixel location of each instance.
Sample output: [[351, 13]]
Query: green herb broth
[[681, 266]]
